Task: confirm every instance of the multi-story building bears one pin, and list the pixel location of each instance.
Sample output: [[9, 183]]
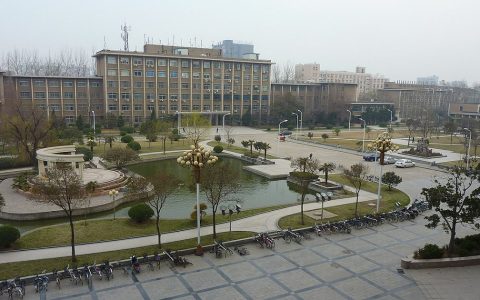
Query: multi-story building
[[429, 80], [234, 50], [365, 82], [162, 79], [318, 97], [412, 100]]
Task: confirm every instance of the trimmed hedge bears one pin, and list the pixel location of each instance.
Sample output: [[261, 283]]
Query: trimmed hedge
[[218, 149], [429, 251], [126, 139], [135, 146], [140, 212], [12, 163], [8, 235]]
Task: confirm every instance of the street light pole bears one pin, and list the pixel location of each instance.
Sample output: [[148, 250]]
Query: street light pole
[[112, 194], [301, 119], [349, 118], [278, 139], [223, 122], [468, 149], [296, 133], [391, 117], [93, 113], [364, 126]]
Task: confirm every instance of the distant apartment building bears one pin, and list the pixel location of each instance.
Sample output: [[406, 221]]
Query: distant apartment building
[[412, 100], [464, 111], [235, 50], [161, 79], [318, 97], [365, 82], [429, 80]]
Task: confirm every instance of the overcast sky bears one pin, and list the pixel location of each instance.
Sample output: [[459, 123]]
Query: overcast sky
[[402, 39]]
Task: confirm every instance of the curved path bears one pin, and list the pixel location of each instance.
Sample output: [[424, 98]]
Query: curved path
[[258, 223]]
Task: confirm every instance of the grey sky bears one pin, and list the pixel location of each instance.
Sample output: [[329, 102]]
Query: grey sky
[[400, 39]]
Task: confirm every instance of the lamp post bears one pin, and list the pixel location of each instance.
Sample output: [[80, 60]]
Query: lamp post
[[382, 144], [93, 113], [349, 118], [278, 140], [223, 121], [196, 158], [113, 193], [178, 121], [468, 149], [301, 119], [296, 133], [364, 126], [391, 117], [230, 209]]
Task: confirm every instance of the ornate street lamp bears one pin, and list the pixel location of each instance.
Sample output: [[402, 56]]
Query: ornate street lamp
[[113, 193], [197, 158], [382, 144]]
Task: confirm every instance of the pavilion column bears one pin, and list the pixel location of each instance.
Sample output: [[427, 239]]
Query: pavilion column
[[41, 168]]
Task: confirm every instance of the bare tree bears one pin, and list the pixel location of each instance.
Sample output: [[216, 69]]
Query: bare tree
[[276, 74], [120, 156], [304, 174], [356, 175], [288, 72], [196, 127], [62, 188], [228, 133], [156, 189], [220, 184]]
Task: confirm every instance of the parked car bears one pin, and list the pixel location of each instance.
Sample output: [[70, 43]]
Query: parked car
[[286, 132], [404, 163], [373, 156], [388, 160]]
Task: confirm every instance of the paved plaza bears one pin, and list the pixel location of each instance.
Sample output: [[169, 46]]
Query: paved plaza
[[361, 265]]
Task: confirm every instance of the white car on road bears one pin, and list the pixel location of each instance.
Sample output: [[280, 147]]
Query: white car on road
[[388, 160], [404, 163]]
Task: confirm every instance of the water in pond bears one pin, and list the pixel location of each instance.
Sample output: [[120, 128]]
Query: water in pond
[[255, 191]]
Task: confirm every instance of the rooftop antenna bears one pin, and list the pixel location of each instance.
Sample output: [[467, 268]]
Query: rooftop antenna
[[173, 40], [104, 43], [144, 38], [125, 29], [195, 39]]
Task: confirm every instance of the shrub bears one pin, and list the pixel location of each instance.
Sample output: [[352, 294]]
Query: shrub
[[429, 251], [87, 154], [10, 163], [8, 235], [21, 182], [218, 138], [218, 149], [123, 133], [140, 212], [269, 129], [127, 129], [135, 146], [329, 126], [126, 139]]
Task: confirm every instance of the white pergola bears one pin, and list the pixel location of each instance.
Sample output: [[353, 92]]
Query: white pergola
[[49, 157]]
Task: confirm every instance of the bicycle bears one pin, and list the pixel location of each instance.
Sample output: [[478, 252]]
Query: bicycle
[[57, 277]]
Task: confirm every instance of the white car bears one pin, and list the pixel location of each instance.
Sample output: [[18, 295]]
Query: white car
[[404, 163], [388, 160]]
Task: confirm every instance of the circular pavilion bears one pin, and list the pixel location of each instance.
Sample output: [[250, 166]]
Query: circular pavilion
[[51, 156]]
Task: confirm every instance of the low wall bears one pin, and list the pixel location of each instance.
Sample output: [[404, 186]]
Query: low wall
[[411, 263]]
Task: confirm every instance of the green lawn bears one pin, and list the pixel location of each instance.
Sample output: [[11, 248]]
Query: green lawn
[[181, 144], [236, 149], [351, 144], [10, 270], [59, 235], [347, 211]]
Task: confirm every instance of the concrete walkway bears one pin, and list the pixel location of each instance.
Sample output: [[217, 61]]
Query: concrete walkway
[[258, 223]]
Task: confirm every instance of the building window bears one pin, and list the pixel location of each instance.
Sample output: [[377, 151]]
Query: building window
[[206, 107], [138, 107], [217, 75], [161, 62], [150, 84], [206, 76], [111, 60], [226, 107], [138, 84], [124, 60], [124, 72], [125, 96], [184, 107], [55, 107], [185, 97], [185, 85], [138, 119], [196, 63], [82, 95], [185, 64], [39, 95], [196, 75], [68, 95], [69, 119], [161, 85], [137, 61], [54, 95], [206, 86], [150, 107], [206, 96], [112, 72], [185, 75], [111, 84], [53, 83], [137, 73], [149, 63], [162, 97], [173, 74], [150, 96], [125, 107], [112, 96], [173, 63], [112, 107], [95, 84], [196, 96], [125, 84], [24, 94], [137, 96], [162, 74], [69, 107], [206, 65], [174, 97], [150, 73], [174, 85], [81, 83], [217, 65], [246, 76], [39, 83], [196, 107], [196, 86], [24, 83], [173, 107]]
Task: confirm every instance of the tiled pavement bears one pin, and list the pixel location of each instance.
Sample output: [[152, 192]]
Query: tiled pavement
[[362, 265]]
